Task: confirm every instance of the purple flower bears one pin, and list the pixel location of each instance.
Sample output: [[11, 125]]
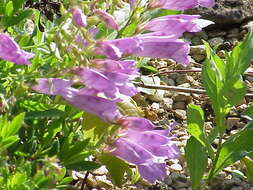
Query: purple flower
[[107, 18], [164, 47], [115, 49], [104, 108], [172, 25], [110, 77], [132, 3], [10, 51], [146, 46], [79, 19], [180, 4], [139, 143]]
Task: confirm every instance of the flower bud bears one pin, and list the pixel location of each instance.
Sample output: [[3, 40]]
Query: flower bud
[[79, 19]]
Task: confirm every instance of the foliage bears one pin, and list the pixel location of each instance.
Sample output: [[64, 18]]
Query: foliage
[[222, 79], [75, 123]]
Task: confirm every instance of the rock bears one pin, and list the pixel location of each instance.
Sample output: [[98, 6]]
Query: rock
[[168, 180], [215, 41], [185, 85], [196, 40], [249, 78], [176, 167], [198, 50], [226, 12], [203, 35], [233, 41], [232, 121], [247, 25], [233, 33], [155, 106], [178, 177], [216, 33], [179, 105], [199, 58], [236, 188], [155, 97], [221, 54], [140, 100], [182, 97], [174, 76], [184, 78], [168, 80], [180, 114], [167, 104], [179, 185]]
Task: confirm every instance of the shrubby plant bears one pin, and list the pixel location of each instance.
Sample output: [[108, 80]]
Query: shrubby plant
[[68, 81]]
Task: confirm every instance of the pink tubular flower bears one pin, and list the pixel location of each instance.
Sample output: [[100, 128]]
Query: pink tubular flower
[[108, 19], [104, 108], [111, 77], [172, 25], [79, 19], [10, 51], [139, 143], [180, 4], [146, 46]]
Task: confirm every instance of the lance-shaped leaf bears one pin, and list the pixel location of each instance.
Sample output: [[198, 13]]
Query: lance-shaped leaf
[[235, 148], [196, 158], [195, 126]]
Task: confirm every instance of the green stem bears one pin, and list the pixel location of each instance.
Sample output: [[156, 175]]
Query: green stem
[[221, 124], [128, 22]]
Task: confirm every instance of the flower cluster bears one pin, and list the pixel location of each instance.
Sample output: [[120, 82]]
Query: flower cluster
[[141, 144], [105, 81]]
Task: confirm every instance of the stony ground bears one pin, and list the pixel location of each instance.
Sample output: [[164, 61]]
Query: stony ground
[[168, 106]]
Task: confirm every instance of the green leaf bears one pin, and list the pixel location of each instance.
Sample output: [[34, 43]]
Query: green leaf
[[9, 9], [14, 125], [195, 123], [196, 158], [195, 126], [17, 4], [83, 166], [130, 29], [16, 180], [235, 148], [67, 154], [116, 167], [213, 73], [52, 113], [242, 55], [66, 181], [6, 142], [149, 68], [249, 168], [13, 20], [95, 128]]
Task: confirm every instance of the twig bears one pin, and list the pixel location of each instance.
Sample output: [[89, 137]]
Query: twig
[[188, 71], [177, 89], [84, 180], [175, 71]]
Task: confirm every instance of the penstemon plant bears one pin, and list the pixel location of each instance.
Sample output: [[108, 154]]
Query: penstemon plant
[[64, 87], [222, 79]]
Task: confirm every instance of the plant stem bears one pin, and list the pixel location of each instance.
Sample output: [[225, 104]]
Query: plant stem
[[128, 22], [221, 124]]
